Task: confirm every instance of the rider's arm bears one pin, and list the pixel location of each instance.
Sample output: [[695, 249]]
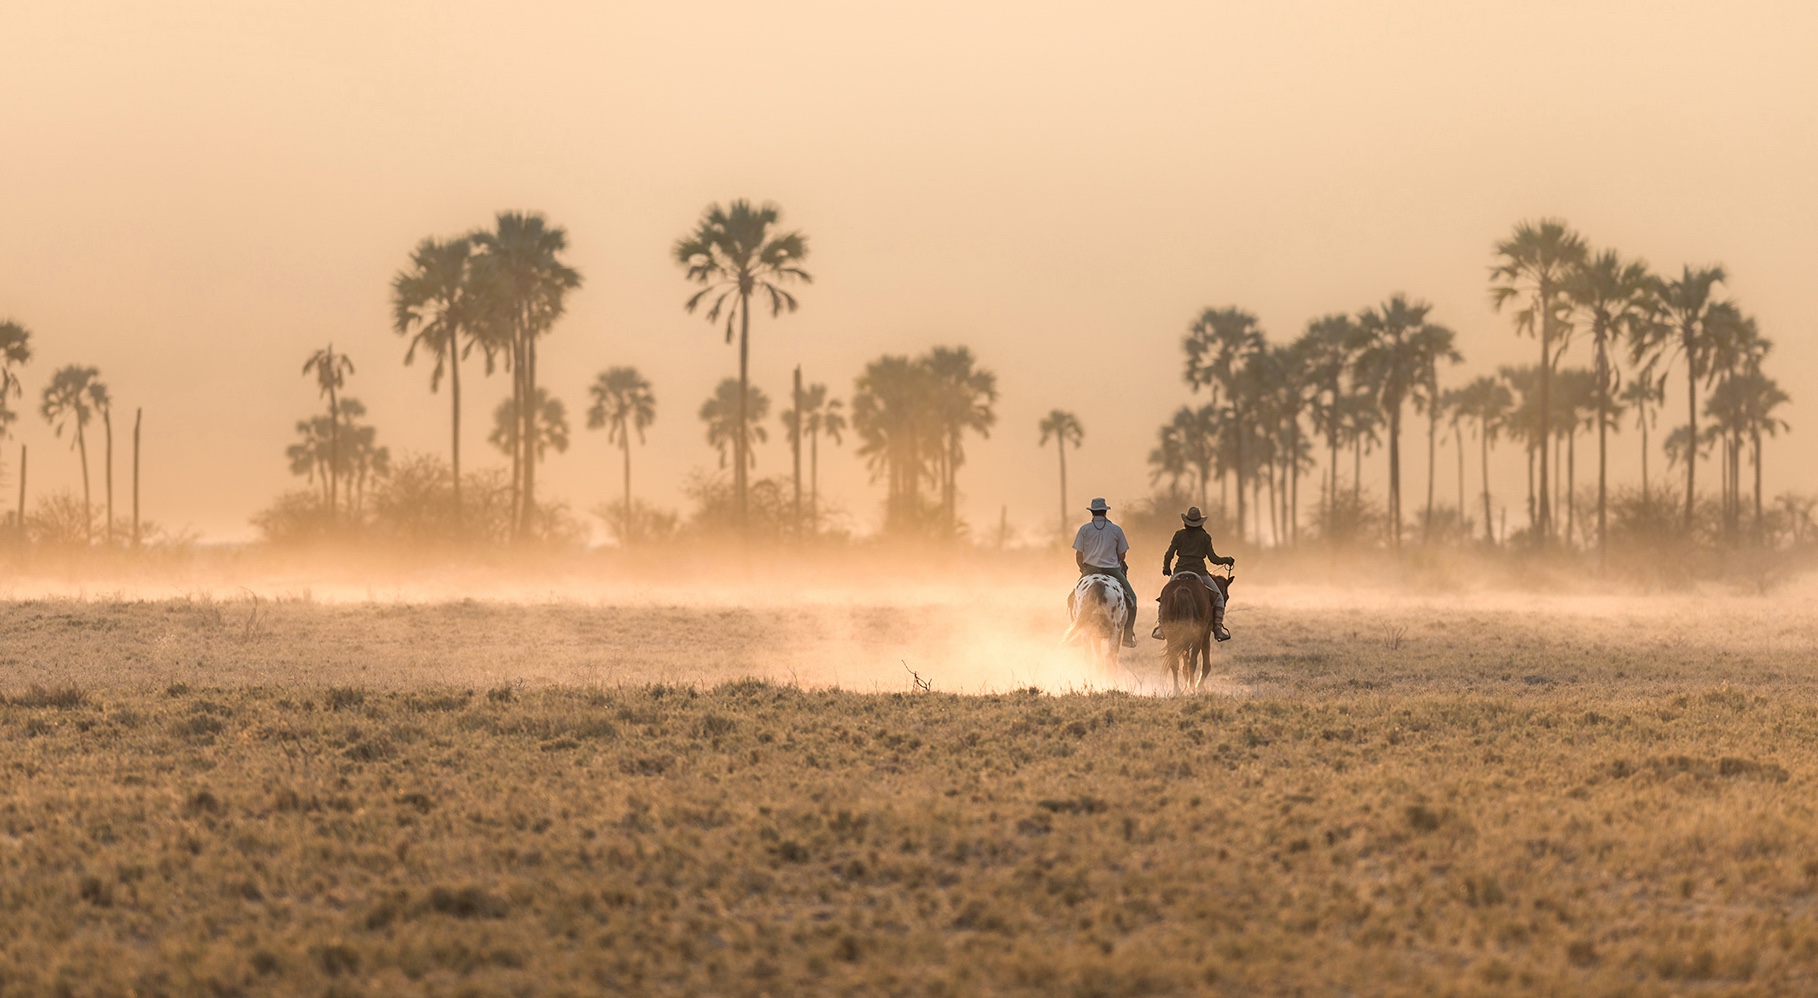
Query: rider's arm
[[1079, 560], [1168, 556]]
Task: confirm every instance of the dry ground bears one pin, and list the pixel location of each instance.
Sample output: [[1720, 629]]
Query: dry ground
[[1388, 794]]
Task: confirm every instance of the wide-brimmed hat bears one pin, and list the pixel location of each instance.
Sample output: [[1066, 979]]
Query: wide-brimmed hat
[[1191, 517], [1098, 506]]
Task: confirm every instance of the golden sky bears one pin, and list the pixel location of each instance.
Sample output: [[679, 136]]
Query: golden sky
[[200, 193]]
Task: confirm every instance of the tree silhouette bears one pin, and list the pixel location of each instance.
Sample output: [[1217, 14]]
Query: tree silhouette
[[526, 284], [1617, 297], [15, 352], [72, 398], [1683, 328], [1396, 346], [622, 403], [1326, 347], [1532, 267], [819, 414], [339, 449], [730, 409], [964, 395], [1219, 345], [893, 415], [330, 371], [1643, 395], [1487, 401], [1736, 349], [438, 302], [550, 424], [733, 255], [1063, 428]]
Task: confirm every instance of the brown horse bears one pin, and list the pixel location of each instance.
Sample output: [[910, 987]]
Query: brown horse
[[1186, 613]]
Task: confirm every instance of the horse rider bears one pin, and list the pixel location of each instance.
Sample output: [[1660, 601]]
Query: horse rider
[[1193, 546], [1099, 549]]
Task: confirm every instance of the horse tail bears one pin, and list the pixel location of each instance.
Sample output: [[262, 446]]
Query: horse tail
[[1089, 606], [1178, 605]]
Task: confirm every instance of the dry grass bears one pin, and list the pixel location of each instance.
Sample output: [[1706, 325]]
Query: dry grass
[[378, 799]]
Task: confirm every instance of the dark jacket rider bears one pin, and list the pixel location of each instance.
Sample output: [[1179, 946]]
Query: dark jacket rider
[[1192, 546]]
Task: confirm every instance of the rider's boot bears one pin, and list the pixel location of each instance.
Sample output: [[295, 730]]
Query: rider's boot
[[1218, 623]]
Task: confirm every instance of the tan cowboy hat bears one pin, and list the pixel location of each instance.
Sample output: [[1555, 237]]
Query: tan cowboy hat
[[1192, 518], [1098, 506]]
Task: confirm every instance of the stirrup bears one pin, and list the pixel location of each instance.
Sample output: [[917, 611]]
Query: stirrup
[[1157, 633], [1222, 634]]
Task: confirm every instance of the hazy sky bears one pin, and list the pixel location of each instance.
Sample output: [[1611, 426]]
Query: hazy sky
[[198, 194]]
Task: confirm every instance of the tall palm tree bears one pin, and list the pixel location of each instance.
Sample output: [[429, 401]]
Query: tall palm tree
[[1219, 345], [1685, 308], [1736, 349], [1617, 298], [819, 414], [1643, 395], [73, 397], [1326, 348], [1575, 406], [437, 303], [330, 371], [892, 413], [550, 424], [622, 403], [1488, 401], [1063, 428], [730, 408], [733, 254], [1531, 270], [521, 271], [15, 352], [1396, 345], [1432, 344], [964, 396]]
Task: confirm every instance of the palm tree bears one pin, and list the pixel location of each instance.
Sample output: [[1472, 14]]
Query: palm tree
[[527, 283], [330, 370], [731, 407], [1618, 299], [1533, 266], [622, 402], [1643, 394], [1432, 344], [1685, 307], [1219, 345], [439, 298], [892, 413], [550, 424], [964, 396], [1063, 428], [1326, 351], [1736, 351], [818, 414], [71, 399], [1575, 405], [15, 352], [1396, 346], [733, 255], [1488, 401]]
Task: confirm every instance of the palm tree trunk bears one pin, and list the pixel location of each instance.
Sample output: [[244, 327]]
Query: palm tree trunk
[[1483, 433], [1533, 504], [454, 421], [530, 436], [138, 418], [1294, 483], [1458, 442], [22, 495], [1756, 434], [334, 444], [88, 518], [741, 444], [1691, 403], [1357, 471], [625, 441], [1061, 442], [814, 480], [1646, 501], [1432, 457], [795, 449], [1238, 461], [107, 423], [1395, 474], [1544, 514], [1572, 483], [1332, 476]]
